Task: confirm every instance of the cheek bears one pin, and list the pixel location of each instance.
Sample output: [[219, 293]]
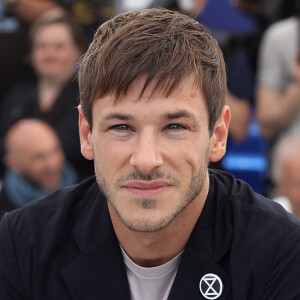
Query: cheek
[[39, 167], [36, 58], [294, 196], [186, 163], [193, 155], [110, 157], [69, 56], [33, 169], [59, 160]]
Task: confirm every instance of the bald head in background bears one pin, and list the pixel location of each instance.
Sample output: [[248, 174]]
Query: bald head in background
[[33, 151], [286, 171]]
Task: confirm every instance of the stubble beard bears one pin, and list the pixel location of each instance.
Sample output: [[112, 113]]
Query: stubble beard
[[145, 226]]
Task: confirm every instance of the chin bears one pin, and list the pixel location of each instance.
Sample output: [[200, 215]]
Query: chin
[[51, 185], [148, 224]]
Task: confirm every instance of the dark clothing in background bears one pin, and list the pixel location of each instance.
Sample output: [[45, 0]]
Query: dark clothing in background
[[64, 247], [14, 57], [22, 102], [5, 203], [90, 14]]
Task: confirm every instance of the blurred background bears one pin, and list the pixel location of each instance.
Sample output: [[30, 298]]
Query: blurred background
[[42, 40]]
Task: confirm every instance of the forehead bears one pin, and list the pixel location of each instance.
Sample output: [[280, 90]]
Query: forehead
[[186, 96], [56, 31], [31, 141]]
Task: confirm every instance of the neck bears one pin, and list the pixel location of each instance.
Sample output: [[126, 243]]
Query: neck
[[156, 248], [296, 210], [48, 91], [53, 82]]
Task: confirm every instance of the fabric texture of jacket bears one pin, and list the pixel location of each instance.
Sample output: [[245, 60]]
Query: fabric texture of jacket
[[64, 247]]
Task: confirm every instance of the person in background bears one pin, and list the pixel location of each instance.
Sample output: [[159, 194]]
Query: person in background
[[286, 173], [56, 46], [89, 14], [189, 7], [278, 79], [35, 162], [278, 84], [155, 222], [16, 17]]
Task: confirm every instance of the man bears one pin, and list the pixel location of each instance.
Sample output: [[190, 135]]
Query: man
[[278, 81], [278, 93], [286, 174], [161, 226], [16, 17], [36, 164]]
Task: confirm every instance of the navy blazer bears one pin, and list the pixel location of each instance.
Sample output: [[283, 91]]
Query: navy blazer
[[64, 247]]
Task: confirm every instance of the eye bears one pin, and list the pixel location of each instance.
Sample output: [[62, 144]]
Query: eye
[[175, 127], [121, 130], [120, 127]]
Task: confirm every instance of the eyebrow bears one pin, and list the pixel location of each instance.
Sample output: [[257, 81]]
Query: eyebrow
[[177, 115], [166, 116], [118, 116]]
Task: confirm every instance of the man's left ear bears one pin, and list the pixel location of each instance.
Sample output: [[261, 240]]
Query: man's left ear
[[85, 136], [219, 136]]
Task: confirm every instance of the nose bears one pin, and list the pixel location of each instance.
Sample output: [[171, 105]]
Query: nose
[[146, 153]]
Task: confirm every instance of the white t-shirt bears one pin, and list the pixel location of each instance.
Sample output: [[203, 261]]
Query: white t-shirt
[[284, 201], [151, 283]]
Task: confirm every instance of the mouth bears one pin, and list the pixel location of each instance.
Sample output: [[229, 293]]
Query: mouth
[[147, 189]]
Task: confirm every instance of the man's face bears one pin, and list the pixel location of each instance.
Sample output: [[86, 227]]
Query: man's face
[[150, 155], [41, 160], [290, 185]]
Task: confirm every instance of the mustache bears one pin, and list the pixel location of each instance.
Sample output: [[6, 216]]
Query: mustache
[[153, 175]]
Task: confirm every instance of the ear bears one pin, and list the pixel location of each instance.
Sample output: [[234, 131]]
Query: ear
[[11, 162], [85, 136], [219, 136]]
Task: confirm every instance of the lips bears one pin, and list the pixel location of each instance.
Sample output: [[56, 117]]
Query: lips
[[145, 189]]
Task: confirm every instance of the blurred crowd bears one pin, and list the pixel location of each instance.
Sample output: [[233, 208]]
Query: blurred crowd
[[43, 40]]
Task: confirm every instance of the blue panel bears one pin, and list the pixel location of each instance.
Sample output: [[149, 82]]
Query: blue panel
[[221, 15]]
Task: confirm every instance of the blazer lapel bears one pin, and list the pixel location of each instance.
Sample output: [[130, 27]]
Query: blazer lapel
[[193, 267], [207, 252], [97, 274], [98, 271]]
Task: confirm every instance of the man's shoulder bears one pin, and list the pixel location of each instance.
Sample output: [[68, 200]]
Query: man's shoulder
[[255, 227], [263, 239], [247, 207]]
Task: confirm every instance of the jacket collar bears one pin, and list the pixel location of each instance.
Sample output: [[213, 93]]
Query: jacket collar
[[99, 268], [98, 272], [207, 251]]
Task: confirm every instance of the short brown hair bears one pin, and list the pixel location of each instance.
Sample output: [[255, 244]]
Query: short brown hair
[[163, 45]]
